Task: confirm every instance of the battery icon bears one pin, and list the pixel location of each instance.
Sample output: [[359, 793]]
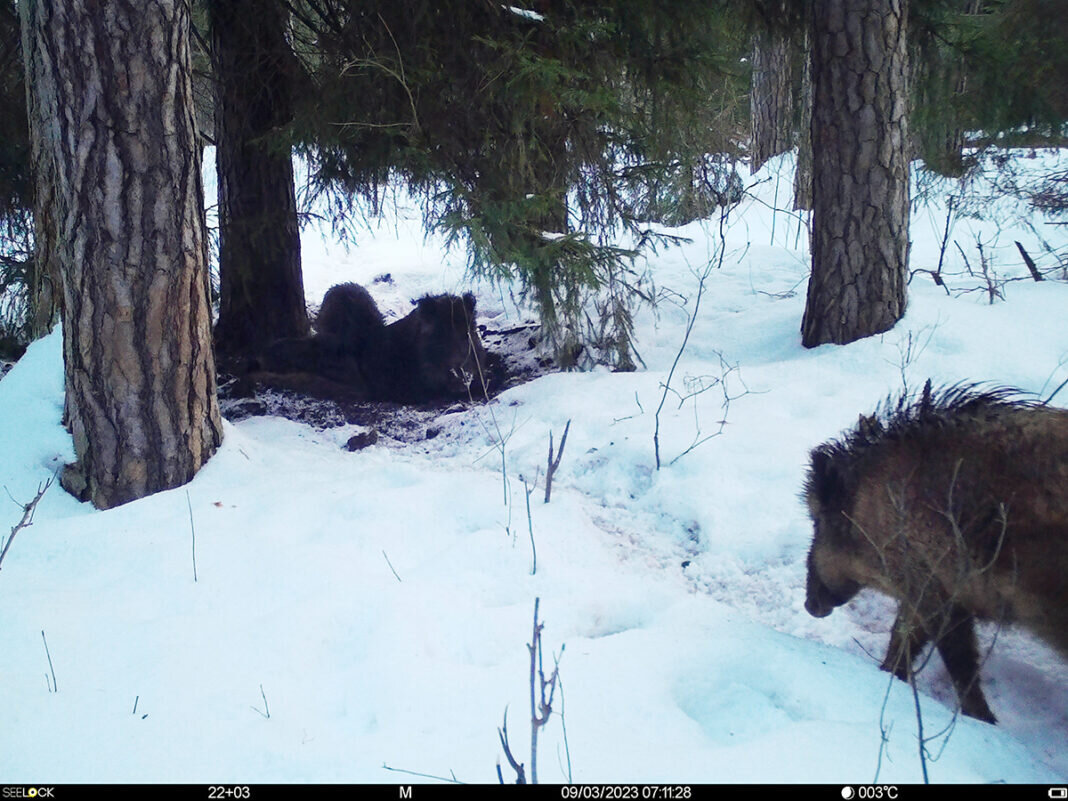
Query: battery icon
[[1058, 793]]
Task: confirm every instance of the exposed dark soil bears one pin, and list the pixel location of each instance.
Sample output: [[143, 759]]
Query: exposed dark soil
[[513, 360]]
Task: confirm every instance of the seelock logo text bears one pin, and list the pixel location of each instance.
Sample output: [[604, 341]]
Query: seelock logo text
[[27, 792]]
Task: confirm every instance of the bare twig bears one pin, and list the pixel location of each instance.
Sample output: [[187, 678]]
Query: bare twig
[[884, 729], [452, 780], [563, 724], [27, 515], [630, 416], [542, 690], [192, 534], [529, 490], [963, 255], [390, 564], [1064, 383], [909, 348], [502, 733], [713, 263], [540, 706], [937, 274], [554, 463], [919, 727], [55, 687], [701, 387], [396, 73], [678, 356], [266, 713]]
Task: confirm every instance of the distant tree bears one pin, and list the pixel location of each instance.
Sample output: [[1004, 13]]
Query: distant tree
[[16, 225], [987, 73], [111, 83], [260, 280], [780, 90], [771, 96], [860, 146]]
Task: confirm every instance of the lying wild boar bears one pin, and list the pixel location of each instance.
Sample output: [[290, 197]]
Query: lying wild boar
[[432, 353], [350, 315], [956, 505]]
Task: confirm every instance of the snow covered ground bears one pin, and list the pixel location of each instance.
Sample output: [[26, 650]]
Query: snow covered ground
[[354, 615]]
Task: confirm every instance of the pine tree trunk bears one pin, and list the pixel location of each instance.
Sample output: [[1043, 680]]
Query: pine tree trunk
[[770, 98], [45, 282], [803, 174], [860, 170], [261, 285], [124, 173]]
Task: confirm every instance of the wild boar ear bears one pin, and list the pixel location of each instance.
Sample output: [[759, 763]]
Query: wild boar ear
[[469, 303], [869, 427], [825, 479]]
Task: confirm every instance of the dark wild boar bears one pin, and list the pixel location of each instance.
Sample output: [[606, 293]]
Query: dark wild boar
[[330, 362], [956, 505], [350, 314], [434, 352], [321, 365]]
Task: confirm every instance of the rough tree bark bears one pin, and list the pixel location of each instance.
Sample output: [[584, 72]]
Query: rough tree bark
[[261, 285], [123, 169], [45, 281], [771, 101], [803, 174], [860, 178]]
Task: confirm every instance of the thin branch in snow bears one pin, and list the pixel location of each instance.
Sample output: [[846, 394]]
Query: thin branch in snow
[[27, 514], [390, 564], [54, 687], [554, 463], [266, 713]]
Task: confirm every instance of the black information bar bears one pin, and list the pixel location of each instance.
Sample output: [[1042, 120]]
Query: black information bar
[[566, 792]]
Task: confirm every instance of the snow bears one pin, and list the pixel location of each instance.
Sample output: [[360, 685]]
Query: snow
[[353, 611], [526, 13]]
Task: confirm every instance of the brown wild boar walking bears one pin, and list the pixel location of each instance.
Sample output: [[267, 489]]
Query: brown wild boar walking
[[956, 505]]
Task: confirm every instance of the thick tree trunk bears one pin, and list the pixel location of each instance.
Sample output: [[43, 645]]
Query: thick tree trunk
[[860, 187], [45, 283], [123, 170], [261, 286], [771, 101]]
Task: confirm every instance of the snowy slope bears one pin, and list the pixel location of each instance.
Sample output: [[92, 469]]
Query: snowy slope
[[353, 611]]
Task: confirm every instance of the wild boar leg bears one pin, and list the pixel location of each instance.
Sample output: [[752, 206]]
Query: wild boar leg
[[960, 653], [954, 636], [907, 640]]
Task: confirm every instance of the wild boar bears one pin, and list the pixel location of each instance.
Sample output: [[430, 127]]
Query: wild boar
[[350, 315], [956, 505], [433, 352]]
